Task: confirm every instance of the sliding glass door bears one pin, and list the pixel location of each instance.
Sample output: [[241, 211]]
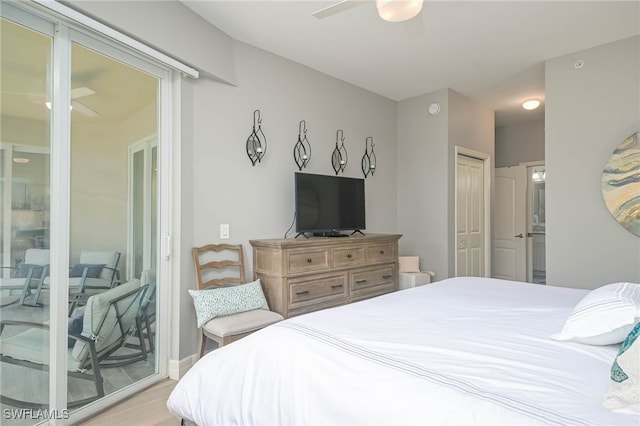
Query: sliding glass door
[[79, 219]]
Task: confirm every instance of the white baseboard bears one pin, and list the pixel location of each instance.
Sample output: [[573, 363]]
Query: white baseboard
[[177, 369]]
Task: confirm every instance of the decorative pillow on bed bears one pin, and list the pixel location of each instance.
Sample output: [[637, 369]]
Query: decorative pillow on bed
[[218, 302], [624, 387], [605, 316]]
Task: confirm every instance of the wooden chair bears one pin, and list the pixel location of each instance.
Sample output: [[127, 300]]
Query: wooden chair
[[213, 263]]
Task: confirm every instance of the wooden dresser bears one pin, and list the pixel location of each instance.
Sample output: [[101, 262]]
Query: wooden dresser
[[303, 275]]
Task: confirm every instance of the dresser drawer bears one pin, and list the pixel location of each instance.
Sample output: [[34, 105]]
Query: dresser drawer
[[347, 256], [371, 277], [381, 253], [317, 288], [307, 260], [369, 292]]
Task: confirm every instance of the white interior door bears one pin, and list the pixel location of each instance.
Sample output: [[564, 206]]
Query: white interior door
[[470, 236], [510, 213]]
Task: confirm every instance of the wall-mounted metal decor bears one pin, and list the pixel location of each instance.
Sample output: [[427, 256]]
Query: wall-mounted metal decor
[[257, 141], [302, 148], [369, 158], [339, 156], [621, 183]]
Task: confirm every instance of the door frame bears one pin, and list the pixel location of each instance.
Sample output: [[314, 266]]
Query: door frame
[[529, 165], [487, 174]]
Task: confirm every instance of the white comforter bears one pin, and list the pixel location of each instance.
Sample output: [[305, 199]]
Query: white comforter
[[461, 351]]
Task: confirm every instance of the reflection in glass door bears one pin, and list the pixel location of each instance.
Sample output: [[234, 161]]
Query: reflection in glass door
[[25, 142], [113, 104]]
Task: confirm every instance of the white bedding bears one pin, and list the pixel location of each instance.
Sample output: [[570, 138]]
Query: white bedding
[[460, 351]]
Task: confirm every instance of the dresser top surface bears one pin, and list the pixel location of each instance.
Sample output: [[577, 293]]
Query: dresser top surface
[[325, 241]]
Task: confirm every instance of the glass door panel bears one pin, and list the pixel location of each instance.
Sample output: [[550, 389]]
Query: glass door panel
[[113, 106], [25, 169], [537, 219]]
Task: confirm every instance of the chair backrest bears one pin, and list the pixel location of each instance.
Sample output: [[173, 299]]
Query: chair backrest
[[108, 318], [218, 264], [109, 259], [36, 256]]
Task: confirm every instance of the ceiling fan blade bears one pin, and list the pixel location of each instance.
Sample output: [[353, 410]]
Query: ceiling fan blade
[[338, 8], [80, 92], [83, 109]]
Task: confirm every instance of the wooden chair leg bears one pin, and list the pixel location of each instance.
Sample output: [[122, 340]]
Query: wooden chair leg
[[203, 343]]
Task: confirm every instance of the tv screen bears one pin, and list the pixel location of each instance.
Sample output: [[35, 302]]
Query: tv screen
[[329, 203]]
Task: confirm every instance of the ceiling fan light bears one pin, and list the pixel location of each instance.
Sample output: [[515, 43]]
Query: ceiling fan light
[[398, 10], [531, 104], [48, 105]]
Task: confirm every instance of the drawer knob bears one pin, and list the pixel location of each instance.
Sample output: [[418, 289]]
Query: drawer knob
[[361, 281], [349, 255], [336, 286], [381, 251], [300, 293], [387, 276], [309, 260]]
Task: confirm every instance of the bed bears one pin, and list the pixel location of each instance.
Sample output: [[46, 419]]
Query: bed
[[459, 351]]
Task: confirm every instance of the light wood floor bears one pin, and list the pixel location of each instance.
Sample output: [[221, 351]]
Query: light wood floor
[[148, 408]]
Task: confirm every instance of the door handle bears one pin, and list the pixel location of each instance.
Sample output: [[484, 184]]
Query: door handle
[[519, 235]]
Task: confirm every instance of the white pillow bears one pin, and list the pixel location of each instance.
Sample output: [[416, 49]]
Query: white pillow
[[605, 316]]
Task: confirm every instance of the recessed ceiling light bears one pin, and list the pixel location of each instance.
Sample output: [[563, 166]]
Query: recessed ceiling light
[[531, 104]]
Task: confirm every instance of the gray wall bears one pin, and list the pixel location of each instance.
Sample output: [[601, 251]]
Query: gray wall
[[520, 143], [221, 186], [589, 111], [188, 38], [426, 167]]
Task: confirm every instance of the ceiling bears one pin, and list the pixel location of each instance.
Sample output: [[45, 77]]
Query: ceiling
[[114, 91], [490, 51]]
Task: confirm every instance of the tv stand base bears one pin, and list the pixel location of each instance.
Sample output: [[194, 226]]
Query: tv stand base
[[329, 234]]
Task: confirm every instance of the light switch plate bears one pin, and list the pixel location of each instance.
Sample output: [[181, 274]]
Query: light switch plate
[[224, 231]]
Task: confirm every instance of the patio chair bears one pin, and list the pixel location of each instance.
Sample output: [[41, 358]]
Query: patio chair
[[108, 320], [30, 274], [96, 271]]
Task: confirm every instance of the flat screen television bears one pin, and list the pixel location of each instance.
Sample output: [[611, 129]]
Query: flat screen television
[[326, 205]]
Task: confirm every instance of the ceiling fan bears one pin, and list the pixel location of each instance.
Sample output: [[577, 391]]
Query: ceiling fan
[[389, 10], [78, 92]]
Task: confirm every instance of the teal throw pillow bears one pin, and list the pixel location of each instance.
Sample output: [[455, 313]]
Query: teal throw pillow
[[624, 387], [218, 302]]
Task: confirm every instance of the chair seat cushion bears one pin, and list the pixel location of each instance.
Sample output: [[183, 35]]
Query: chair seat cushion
[[242, 322], [33, 345], [11, 283]]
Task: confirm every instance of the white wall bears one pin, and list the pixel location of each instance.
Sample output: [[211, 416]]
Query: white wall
[[221, 186], [426, 167], [520, 143], [589, 111]]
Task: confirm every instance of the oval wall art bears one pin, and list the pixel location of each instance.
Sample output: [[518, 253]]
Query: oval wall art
[[621, 184]]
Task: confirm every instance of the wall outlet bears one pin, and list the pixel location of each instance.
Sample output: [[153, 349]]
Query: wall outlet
[[224, 231]]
